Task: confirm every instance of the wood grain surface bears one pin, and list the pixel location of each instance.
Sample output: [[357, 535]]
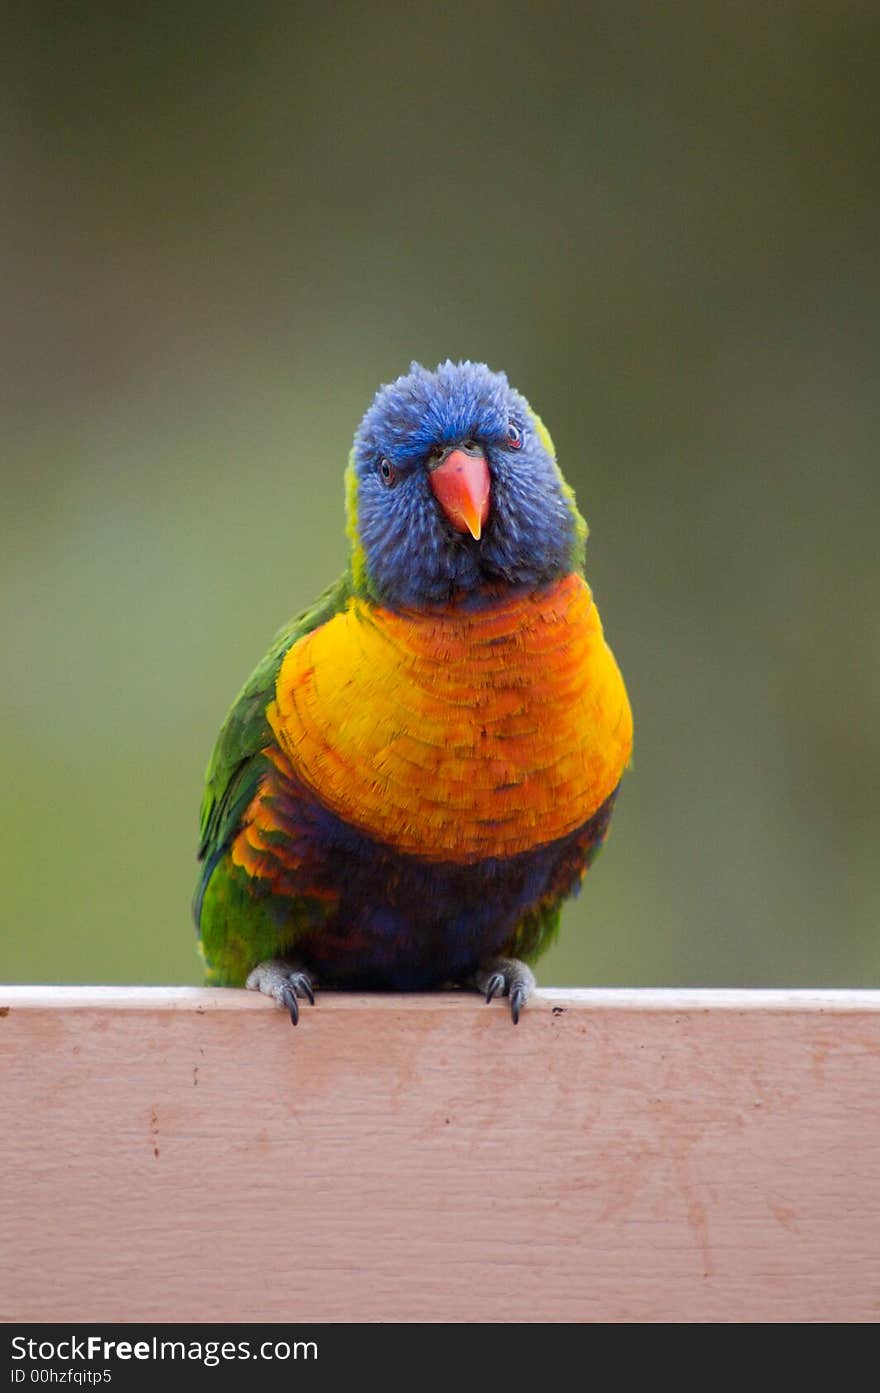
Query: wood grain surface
[[184, 1154]]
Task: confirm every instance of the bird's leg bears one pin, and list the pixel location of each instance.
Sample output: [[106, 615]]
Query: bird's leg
[[284, 981], [505, 977]]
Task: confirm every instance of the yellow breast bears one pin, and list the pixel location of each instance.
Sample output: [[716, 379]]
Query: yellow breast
[[458, 736]]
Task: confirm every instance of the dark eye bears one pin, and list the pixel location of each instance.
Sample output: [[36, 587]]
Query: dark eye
[[514, 436], [387, 472]]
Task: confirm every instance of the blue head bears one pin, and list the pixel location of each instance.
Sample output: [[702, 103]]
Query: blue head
[[454, 491]]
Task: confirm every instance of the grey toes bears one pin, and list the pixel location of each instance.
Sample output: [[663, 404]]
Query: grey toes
[[506, 977], [285, 982]]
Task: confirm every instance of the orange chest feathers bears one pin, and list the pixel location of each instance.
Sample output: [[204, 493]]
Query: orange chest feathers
[[458, 736]]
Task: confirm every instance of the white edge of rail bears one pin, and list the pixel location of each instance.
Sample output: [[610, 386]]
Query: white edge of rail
[[201, 999]]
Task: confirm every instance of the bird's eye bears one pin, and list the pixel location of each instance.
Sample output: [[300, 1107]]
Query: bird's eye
[[387, 472], [514, 436]]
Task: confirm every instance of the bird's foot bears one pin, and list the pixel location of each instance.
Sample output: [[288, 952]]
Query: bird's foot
[[505, 977], [284, 981]]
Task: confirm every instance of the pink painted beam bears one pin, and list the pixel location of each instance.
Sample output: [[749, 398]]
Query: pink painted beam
[[179, 1154]]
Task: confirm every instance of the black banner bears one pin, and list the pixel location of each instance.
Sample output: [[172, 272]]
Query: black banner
[[131, 1357]]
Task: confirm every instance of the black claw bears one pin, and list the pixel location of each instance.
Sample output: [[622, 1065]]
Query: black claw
[[517, 997], [494, 985], [300, 983], [288, 996]]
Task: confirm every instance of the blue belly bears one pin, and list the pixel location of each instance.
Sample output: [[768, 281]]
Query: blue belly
[[408, 925]]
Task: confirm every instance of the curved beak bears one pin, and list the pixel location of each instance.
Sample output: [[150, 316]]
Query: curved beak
[[461, 485]]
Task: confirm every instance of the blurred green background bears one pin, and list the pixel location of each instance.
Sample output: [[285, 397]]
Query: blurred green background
[[223, 226]]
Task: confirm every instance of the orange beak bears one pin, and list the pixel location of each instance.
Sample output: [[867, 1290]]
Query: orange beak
[[461, 486]]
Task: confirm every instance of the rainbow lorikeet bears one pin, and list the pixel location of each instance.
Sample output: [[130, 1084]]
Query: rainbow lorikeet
[[424, 765]]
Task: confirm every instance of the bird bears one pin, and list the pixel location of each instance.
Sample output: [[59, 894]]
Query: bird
[[423, 767]]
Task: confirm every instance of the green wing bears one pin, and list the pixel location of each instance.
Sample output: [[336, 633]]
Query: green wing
[[237, 764]]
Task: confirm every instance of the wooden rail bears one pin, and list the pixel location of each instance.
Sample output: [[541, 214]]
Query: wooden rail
[[180, 1154]]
